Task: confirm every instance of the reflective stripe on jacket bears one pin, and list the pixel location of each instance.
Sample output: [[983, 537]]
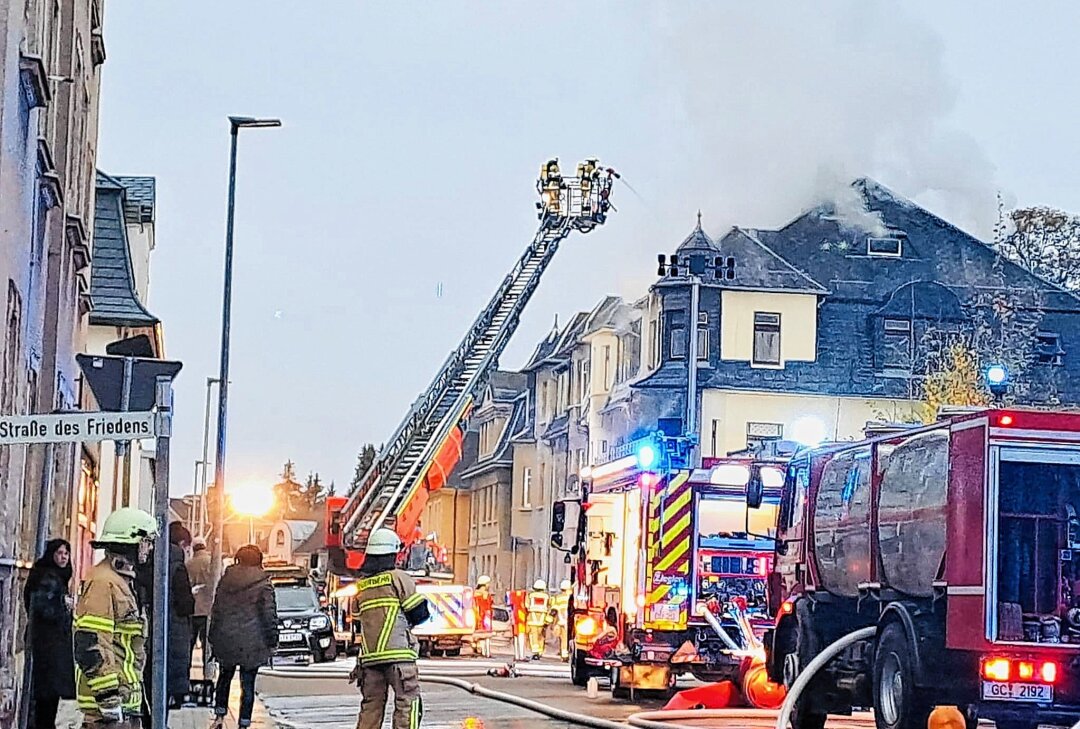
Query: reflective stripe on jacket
[[537, 604], [110, 641], [381, 603]]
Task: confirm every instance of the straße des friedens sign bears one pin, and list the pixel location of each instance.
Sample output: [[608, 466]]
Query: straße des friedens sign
[[71, 427]]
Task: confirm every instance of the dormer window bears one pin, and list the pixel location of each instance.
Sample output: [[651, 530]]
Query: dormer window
[[1048, 348], [885, 247]]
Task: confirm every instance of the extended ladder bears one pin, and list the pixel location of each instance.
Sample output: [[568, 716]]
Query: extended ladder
[[567, 204]]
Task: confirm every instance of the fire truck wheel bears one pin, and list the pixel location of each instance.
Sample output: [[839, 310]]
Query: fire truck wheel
[[807, 646], [579, 670], [897, 703]]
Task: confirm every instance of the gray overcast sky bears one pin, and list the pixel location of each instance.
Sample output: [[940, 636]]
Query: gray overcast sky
[[413, 134]]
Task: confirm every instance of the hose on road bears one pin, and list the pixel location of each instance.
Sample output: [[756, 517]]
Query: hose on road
[[663, 719]]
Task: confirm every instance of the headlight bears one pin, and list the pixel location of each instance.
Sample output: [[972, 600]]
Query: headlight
[[319, 622], [586, 627]]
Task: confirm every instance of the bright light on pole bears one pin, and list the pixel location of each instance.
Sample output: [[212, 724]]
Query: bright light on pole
[[997, 379]]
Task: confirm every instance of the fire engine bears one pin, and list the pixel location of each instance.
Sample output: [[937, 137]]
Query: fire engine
[[670, 571], [420, 455], [959, 544]]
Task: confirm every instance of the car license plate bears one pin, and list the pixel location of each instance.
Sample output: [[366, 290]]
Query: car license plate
[[290, 638], [1036, 693], [666, 612]]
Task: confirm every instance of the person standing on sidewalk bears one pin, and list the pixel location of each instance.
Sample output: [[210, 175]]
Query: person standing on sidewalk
[[199, 571], [387, 608], [48, 605], [110, 625], [243, 630]]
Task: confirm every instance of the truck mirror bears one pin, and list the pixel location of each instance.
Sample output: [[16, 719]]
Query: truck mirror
[[755, 490]]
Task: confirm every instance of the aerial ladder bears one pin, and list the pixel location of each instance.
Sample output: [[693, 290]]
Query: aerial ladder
[[426, 446]]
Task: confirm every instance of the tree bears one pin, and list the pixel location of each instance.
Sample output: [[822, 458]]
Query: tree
[[314, 493], [364, 461], [1045, 241], [288, 493], [954, 378]]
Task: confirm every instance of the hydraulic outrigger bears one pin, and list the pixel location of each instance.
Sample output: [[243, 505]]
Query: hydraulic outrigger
[[426, 446]]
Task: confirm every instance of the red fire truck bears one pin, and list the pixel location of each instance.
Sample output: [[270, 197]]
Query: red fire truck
[[665, 564], [959, 542]]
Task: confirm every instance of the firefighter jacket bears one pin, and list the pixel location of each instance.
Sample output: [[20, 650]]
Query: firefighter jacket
[[387, 607], [560, 605], [110, 639], [538, 604]]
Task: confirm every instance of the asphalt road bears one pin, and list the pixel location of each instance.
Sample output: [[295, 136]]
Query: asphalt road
[[298, 702]]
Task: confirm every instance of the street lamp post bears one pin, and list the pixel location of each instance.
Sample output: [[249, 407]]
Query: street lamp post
[[201, 486], [236, 123]]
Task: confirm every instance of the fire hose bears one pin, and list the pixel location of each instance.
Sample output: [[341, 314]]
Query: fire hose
[[663, 719]]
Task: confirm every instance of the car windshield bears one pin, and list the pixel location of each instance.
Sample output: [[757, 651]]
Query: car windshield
[[294, 598]]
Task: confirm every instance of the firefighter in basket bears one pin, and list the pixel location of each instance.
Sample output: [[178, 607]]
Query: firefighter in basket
[[587, 173], [483, 604], [549, 186], [560, 609], [110, 625], [537, 618]]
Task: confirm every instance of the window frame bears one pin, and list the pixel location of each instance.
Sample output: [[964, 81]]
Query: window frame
[[767, 327], [870, 240], [526, 488]]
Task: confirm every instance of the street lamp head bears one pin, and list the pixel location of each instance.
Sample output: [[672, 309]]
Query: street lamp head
[[250, 121]]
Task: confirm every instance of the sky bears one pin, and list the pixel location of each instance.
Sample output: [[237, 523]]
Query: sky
[[379, 219]]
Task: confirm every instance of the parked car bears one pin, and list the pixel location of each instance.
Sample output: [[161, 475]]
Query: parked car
[[305, 630]]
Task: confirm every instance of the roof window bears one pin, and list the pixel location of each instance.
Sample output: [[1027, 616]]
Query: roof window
[[889, 247]]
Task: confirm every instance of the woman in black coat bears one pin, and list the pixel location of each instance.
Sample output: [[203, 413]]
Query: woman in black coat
[[243, 629], [48, 604]]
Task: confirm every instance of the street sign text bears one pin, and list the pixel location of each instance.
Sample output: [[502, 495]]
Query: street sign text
[[71, 427]]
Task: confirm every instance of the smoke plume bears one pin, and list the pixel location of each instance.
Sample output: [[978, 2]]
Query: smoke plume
[[787, 103]]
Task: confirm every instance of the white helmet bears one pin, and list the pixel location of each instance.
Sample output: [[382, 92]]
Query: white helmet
[[540, 586], [564, 585], [483, 581], [383, 541]]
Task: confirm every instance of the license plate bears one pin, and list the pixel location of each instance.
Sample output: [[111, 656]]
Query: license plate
[[290, 637], [666, 612], [1036, 693]]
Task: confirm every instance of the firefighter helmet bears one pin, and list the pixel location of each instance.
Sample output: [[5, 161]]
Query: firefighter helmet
[[127, 526], [565, 585], [483, 581], [540, 586], [383, 541]]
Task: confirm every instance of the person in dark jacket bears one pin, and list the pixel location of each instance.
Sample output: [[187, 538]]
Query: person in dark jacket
[[243, 630], [182, 607], [49, 605]]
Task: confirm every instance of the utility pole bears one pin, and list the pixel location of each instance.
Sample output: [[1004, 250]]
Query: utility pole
[[200, 488]]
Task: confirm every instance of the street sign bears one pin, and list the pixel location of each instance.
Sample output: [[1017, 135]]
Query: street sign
[[76, 427]]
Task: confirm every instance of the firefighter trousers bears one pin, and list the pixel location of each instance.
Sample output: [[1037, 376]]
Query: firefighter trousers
[[537, 639], [375, 685]]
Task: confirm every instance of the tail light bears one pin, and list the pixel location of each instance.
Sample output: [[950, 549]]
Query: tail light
[[1049, 672], [997, 669], [1025, 670], [586, 627]]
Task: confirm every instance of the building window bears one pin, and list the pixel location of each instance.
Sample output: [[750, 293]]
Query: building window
[[890, 247], [766, 338], [544, 402], [526, 488], [896, 344], [703, 336], [678, 342], [607, 367], [1048, 348], [654, 343]]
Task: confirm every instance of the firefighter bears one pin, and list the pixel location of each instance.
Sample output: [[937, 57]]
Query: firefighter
[[538, 606], [560, 608], [387, 607], [482, 605], [110, 625]]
